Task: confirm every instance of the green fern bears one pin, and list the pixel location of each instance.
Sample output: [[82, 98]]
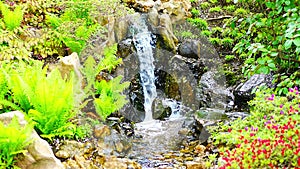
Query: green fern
[[13, 140], [12, 19], [53, 99], [110, 61], [111, 98], [46, 97]]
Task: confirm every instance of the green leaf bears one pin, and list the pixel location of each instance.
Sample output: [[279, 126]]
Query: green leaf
[[297, 42], [263, 69], [288, 44], [272, 66], [261, 61]]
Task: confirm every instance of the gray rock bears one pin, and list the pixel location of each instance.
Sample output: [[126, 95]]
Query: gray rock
[[190, 49], [243, 92], [212, 92], [39, 154]]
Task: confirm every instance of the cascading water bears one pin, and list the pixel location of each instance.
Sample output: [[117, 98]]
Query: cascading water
[[143, 42]]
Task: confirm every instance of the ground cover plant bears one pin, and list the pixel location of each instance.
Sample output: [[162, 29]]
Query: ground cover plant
[[268, 138]]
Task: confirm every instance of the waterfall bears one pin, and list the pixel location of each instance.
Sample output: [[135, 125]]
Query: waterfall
[[143, 43]]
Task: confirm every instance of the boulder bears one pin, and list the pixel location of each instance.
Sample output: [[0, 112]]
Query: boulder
[[243, 91], [160, 110], [177, 9], [165, 32], [212, 92], [190, 49], [39, 154]]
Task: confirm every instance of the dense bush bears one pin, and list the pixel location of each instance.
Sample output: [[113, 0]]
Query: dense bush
[[271, 39], [268, 138]]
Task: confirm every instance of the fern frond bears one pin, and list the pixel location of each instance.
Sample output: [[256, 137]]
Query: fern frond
[[111, 98], [12, 19]]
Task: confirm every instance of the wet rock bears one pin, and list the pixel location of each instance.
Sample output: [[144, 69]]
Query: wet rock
[[39, 154], [212, 91], [160, 111], [101, 131], [194, 165], [243, 92], [190, 49], [167, 39], [69, 149], [125, 48], [119, 163], [199, 149], [178, 9]]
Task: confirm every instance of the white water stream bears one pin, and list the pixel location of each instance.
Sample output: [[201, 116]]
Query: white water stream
[[143, 42]]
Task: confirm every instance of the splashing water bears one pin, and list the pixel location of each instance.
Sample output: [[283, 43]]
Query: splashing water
[[143, 42]]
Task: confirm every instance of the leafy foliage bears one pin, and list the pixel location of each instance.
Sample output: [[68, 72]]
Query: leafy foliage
[[110, 93], [12, 19], [40, 29], [47, 98], [271, 37], [13, 140], [110, 99]]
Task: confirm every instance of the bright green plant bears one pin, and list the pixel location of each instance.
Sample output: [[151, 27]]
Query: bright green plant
[[13, 140], [215, 9], [195, 12], [227, 42], [46, 97], [229, 57], [267, 138], [286, 82], [229, 8], [204, 5], [206, 33], [107, 63], [12, 19], [213, 1], [198, 22], [110, 96], [215, 41], [240, 12]]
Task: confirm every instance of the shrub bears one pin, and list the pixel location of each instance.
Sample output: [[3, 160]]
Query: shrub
[[268, 138], [13, 140]]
